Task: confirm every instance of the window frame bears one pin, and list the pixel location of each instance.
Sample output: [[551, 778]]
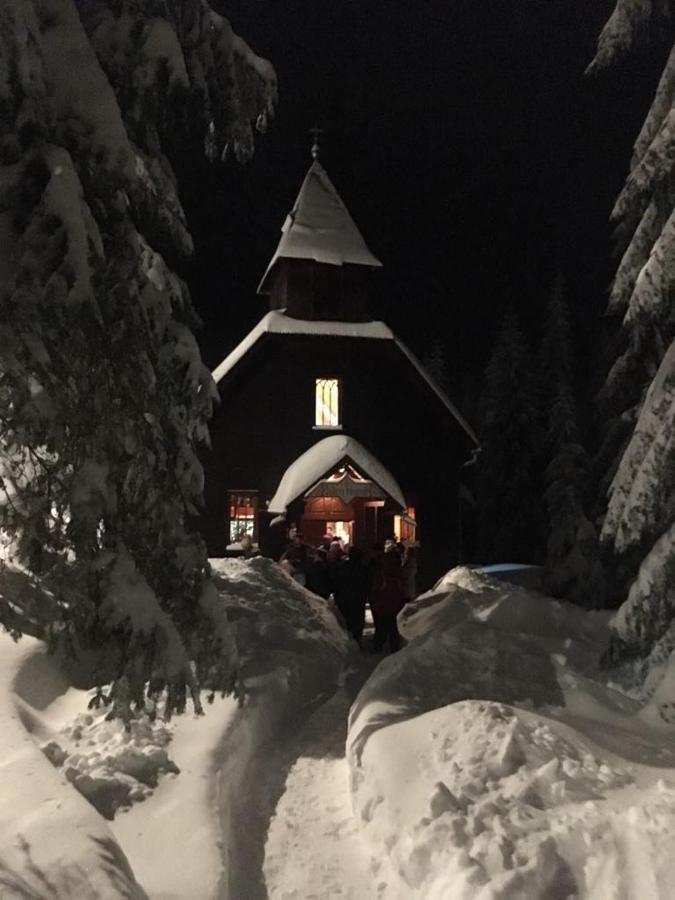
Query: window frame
[[251, 495], [339, 405]]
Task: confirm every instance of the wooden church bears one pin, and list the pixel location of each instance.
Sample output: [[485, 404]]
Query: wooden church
[[327, 421]]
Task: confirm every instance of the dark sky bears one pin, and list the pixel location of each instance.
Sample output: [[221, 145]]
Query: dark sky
[[464, 138]]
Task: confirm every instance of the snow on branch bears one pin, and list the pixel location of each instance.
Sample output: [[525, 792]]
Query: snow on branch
[[641, 494], [655, 166], [661, 106], [650, 300], [627, 27]]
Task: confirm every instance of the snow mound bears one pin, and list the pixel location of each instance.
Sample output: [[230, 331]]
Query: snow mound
[[111, 765], [52, 843], [287, 638], [477, 800], [469, 595], [490, 759]]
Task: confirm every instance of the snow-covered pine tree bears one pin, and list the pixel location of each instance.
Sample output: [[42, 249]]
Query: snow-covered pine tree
[[509, 502], [104, 399], [573, 570], [639, 523], [434, 363]]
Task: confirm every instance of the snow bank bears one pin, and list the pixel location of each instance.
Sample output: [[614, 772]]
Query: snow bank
[[52, 842], [191, 774], [490, 760], [287, 638]]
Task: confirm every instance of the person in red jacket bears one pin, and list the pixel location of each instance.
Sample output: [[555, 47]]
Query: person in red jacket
[[386, 601]]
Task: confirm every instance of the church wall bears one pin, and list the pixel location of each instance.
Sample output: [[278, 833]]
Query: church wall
[[266, 418]]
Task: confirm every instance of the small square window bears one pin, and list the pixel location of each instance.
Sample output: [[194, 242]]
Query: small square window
[[242, 510], [327, 396]]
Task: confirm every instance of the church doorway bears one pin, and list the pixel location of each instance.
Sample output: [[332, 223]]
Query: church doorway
[[327, 515]]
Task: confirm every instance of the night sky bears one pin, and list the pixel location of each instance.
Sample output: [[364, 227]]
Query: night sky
[[474, 154]]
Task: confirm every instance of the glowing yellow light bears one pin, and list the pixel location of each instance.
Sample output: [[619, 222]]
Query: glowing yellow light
[[327, 403]]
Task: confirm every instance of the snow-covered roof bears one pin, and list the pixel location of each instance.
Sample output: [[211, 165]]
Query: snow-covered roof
[[276, 322], [319, 227], [320, 460]]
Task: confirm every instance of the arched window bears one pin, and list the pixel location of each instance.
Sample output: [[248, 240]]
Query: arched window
[[327, 393]]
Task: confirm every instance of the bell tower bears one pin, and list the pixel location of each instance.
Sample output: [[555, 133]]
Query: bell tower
[[322, 266]]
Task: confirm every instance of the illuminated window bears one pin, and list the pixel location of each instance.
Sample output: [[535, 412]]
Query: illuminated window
[[327, 403], [404, 526], [242, 509]]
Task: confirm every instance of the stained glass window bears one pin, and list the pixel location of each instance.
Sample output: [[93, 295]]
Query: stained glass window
[[327, 403]]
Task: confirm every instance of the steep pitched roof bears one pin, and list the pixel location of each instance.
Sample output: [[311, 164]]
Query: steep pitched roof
[[275, 322], [321, 458], [319, 227]]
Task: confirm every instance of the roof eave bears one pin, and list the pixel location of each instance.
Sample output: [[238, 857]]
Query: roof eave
[[264, 287]]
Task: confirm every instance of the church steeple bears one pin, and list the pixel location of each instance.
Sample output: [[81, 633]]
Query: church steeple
[[319, 269]]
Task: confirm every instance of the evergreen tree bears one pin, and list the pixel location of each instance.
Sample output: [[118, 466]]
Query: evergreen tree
[[638, 526], [573, 570], [104, 399], [508, 494], [434, 363]]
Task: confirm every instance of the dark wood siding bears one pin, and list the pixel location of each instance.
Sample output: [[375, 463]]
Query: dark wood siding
[[266, 420]]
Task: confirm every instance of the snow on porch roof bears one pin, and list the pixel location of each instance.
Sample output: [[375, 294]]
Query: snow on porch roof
[[275, 322], [317, 462], [319, 227]]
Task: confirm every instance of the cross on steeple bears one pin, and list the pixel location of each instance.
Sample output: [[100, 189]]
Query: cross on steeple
[[315, 132]]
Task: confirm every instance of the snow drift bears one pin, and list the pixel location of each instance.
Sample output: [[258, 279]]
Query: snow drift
[[490, 760], [53, 843]]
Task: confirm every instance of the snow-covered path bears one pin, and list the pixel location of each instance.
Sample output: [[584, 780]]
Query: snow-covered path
[[298, 838]]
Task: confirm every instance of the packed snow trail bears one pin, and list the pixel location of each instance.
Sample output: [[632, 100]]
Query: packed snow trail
[[294, 835]]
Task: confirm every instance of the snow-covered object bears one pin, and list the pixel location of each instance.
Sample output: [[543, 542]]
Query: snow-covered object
[[649, 302], [634, 257], [642, 495], [629, 24], [319, 227], [488, 759], [649, 610], [639, 384], [282, 630], [649, 172], [321, 460], [52, 842], [573, 570], [276, 322], [105, 396], [111, 763], [661, 105], [193, 774], [509, 492]]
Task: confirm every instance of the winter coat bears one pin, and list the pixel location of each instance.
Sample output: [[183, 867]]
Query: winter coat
[[318, 578], [352, 581], [386, 594], [409, 578], [298, 555]]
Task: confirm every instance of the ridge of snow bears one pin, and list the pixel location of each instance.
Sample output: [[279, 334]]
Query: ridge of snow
[[49, 835], [320, 459], [277, 322], [319, 227], [490, 758]]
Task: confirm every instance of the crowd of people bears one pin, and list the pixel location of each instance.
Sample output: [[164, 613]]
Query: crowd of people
[[384, 578]]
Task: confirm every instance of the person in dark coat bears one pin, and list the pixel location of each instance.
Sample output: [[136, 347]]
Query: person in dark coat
[[318, 575], [298, 555], [409, 574], [386, 601], [352, 581]]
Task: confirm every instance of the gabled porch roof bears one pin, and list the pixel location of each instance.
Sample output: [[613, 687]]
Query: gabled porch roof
[[321, 460]]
